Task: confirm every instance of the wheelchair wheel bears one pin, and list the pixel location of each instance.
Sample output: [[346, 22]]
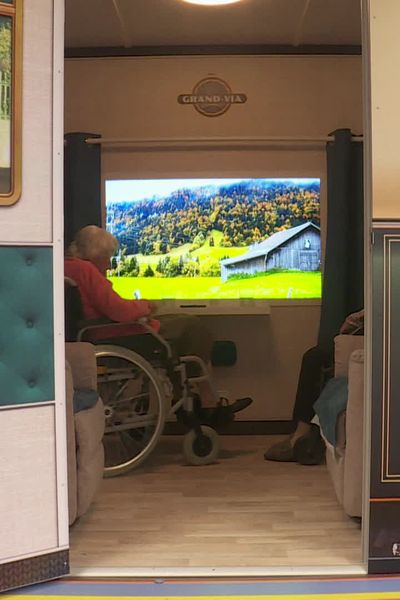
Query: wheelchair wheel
[[201, 449], [134, 404]]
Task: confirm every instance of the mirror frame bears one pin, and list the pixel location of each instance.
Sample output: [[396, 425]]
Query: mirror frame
[[13, 9]]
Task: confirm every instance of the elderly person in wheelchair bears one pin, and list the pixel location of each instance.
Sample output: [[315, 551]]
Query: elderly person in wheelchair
[[148, 368]]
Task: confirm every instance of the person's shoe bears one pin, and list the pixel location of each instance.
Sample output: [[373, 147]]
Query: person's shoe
[[223, 413], [281, 452], [310, 448], [237, 405]]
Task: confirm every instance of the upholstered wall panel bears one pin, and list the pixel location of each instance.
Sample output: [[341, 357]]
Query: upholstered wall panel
[[26, 332]]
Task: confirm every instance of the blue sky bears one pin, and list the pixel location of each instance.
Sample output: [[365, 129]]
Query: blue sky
[[129, 190]]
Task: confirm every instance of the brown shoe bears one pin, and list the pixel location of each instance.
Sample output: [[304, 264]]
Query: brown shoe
[[281, 452], [310, 449]]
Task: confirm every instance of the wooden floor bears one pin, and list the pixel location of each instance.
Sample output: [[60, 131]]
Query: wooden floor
[[241, 512]]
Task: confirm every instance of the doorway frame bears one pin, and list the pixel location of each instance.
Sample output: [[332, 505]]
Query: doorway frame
[[362, 569]]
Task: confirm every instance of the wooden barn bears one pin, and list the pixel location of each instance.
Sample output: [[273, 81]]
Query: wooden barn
[[296, 248]]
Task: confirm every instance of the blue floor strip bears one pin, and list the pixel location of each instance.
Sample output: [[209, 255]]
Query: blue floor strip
[[228, 588]]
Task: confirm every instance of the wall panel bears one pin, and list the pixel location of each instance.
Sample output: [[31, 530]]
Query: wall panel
[[28, 506], [286, 96]]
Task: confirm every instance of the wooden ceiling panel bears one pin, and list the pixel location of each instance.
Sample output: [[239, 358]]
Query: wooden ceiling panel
[[172, 22], [333, 22], [166, 23], [91, 23]]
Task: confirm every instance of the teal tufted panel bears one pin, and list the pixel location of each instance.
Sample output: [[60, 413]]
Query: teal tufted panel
[[26, 325]]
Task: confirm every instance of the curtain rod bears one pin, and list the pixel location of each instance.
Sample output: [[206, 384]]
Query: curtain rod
[[213, 141]]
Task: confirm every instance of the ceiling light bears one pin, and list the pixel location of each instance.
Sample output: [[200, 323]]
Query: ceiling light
[[211, 2]]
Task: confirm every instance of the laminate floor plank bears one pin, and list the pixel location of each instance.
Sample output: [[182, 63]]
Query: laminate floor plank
[[241, 512]]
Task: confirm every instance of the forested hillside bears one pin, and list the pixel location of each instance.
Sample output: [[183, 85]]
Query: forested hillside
[[242, 213]]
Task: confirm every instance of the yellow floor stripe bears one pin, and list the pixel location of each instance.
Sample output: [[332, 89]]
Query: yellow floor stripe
[[356, 596]]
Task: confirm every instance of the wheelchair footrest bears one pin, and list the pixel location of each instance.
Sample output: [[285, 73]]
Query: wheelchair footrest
[[222, 414]]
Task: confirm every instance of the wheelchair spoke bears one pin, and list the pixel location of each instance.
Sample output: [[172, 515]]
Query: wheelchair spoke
[[135, 407]]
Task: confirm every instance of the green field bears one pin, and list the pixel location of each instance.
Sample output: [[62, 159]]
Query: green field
[[274, 285], [206, 251], [290, 284]]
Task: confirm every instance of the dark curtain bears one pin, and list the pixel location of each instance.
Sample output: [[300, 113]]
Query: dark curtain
[[82, 184], [343, 279]]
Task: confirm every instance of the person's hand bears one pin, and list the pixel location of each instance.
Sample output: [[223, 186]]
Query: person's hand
[[145, 307], [353, 323], [152, 306]]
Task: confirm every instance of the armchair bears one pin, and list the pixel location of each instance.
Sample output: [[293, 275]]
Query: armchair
[[85, 430], [345, 460]]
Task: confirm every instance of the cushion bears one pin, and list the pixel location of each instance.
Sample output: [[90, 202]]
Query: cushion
[[330, 404], [26, 333], [84, 399]]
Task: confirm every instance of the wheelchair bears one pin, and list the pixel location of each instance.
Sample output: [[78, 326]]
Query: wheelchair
[[142, 387]]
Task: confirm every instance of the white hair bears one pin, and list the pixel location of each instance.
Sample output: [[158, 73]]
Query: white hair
[[93, 243]]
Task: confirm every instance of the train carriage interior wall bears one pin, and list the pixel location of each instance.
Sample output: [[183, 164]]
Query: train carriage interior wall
[[210, 140]]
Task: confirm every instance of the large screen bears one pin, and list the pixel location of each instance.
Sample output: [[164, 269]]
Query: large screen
[[215, 238]]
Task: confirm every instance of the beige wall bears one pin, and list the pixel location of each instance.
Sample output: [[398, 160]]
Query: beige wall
[[287, 96], [385, 113]]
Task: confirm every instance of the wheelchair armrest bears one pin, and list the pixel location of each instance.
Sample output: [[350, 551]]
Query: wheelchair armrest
[[93, 324], [103, 323], [144, 322]]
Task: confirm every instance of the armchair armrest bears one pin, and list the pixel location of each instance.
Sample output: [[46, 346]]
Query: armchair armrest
[[353, 471], [344, 347], [82, 360], [71, 445], [85, 430]]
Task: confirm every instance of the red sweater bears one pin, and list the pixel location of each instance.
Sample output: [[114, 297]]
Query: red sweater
[[99, 300]]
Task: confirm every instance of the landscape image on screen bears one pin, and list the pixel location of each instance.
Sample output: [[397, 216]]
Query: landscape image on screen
[[204, 239]]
